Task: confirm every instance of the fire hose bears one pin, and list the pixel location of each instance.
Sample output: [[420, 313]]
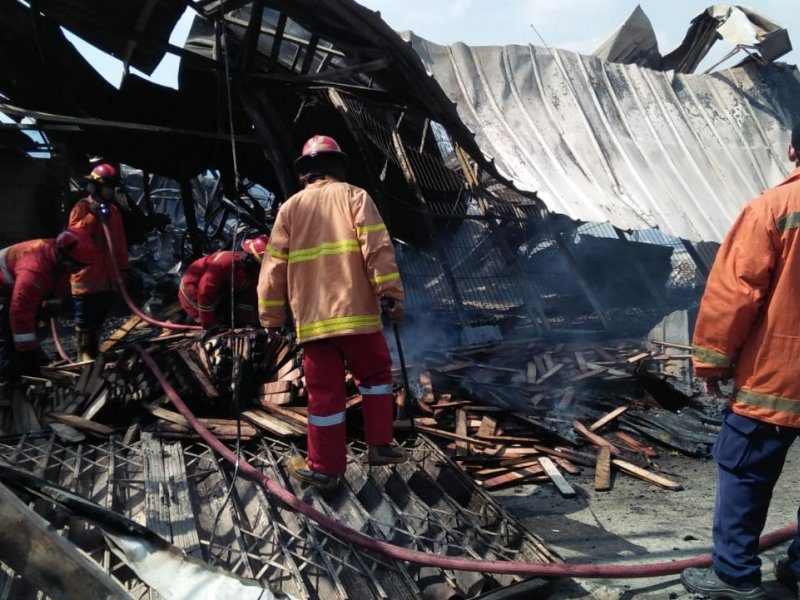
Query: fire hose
[[124, 291], [57, 340], [423, 558]]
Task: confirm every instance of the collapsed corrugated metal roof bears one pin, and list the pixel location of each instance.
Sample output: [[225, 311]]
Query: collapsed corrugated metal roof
[[746, 30], [606, 141]]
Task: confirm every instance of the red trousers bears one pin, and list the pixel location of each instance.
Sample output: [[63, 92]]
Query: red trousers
[[367, 356]]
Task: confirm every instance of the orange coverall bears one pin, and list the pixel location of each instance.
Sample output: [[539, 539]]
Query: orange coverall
[[749, 319], [207, 284], [99, 276]]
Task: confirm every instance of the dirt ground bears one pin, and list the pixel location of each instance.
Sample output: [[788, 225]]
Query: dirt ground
[[637, 523]]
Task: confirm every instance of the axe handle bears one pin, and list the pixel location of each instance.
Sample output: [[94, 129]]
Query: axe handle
[[404, 409]]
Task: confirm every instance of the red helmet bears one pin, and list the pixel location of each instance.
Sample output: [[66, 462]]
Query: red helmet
[[105, 173], [256, 246], [75, 245], [319, 145]]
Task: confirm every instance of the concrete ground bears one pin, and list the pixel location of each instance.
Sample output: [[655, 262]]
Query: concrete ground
[[637, 523]]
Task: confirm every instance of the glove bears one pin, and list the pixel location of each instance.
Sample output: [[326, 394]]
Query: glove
[[50, 309], [711, 385], [27, 362], [99, 210], [275, 332], [392, 308]]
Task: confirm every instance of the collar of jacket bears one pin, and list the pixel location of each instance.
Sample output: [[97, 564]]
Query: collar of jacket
[[793, 176], [322, 181]]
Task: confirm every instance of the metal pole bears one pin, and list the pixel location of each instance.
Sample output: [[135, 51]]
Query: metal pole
[[404, 409]]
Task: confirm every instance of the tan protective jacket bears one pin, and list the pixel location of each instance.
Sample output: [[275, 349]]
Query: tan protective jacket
[[331, 259], [749, 319]]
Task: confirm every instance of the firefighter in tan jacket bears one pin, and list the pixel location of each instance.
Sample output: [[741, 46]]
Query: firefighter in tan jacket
[[330, 260]]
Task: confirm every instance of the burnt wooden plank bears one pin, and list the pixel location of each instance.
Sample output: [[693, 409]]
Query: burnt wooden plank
[[461, 431], [530, 372], [156, 491], [300, 419], [645, 475], [594, 438], [567, 398], [581, 362], [120, 333], [272, 424], [527, 474], [452, 436], [82, 424], [66, 433], [602, 470], [278, 398], [488, 426], [181, 514], [556, 477], [589, 373], [634, 444], [198, 374], [607, 418]]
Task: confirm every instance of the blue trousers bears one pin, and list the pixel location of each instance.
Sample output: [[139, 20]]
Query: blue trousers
[[750, 455], [91, 310]]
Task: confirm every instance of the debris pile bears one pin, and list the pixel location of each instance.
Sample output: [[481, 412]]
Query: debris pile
[[524, 411], [509, 412]]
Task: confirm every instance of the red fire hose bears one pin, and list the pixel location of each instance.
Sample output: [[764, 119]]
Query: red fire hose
[[57, 340], [123, 290], [423, 558]]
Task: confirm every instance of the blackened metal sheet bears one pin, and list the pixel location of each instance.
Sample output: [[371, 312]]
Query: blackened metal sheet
[[640, 148], [127, 29]]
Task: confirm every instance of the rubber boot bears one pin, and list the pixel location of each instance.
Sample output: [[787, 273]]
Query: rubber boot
[[86, 340]]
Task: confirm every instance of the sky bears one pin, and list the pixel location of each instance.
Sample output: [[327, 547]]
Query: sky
[[578, 25]]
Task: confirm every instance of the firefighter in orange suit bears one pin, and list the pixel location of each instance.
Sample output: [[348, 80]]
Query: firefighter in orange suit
[[332, 275], [205, 289], [748, 328], [94, 288], [31, 273]]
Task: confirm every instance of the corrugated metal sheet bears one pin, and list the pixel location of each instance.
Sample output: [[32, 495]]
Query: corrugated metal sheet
[[605, 141]]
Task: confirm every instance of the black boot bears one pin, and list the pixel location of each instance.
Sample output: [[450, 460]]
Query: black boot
[[708, 583], [86, 339], [299, 470], [386, 455]]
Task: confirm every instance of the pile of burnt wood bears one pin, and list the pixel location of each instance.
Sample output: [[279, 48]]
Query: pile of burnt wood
[[507, 412]]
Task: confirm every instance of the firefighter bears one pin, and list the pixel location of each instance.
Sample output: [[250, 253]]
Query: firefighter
[[206, 287], [748, 328], [31, 273], [94, 289], [333, 275]]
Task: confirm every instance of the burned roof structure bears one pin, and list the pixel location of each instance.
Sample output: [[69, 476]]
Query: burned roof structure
[[511, 207], [483, 161], [637, 139]]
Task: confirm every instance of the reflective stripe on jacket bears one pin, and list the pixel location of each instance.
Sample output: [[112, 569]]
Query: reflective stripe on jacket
[[329, 259], [99, 276], [29, 276], [207, 281], [749, 318]]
